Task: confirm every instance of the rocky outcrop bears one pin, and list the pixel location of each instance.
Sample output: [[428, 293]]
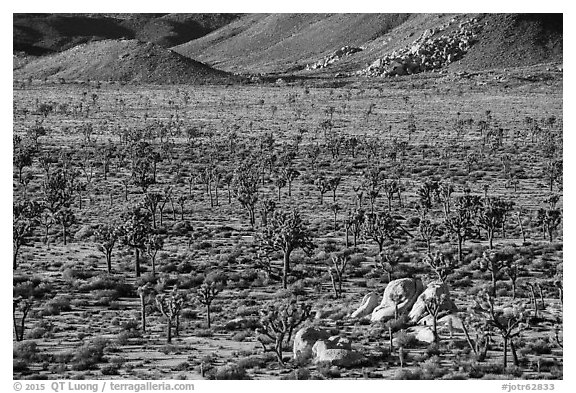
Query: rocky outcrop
[[434, 290], [448, 324], [399, 296], [434, 49], [305, 339], [337, 351], [368, 304], [334, 57]]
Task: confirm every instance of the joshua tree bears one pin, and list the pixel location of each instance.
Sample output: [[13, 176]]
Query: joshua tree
[[333, 184], [381, 227], [508, 322], [372, 185], [440, 264], [428, 230], [66, 218], [143, 165], [391, 188], [165, 197], [495, 262], [206, 295], [336, 272], [246, 188], [46, 220], [280, 183], [151, 202], [106, 236], [289, 174], [511, 271], [532, 288], [170, 305], [491, 216], [445, 191], [267, 207], [459, 223], [483, 332], [354, 223], [22, 156], [286, 232], [182, 202], [426, 193], [549, 220], [23, 306], [323, 185], [388, 261], [553, 172], [58, 189], [153, 244], [134, 231], [143, 292], [24, 215], [335, 209], [433, 305], [278, 321]]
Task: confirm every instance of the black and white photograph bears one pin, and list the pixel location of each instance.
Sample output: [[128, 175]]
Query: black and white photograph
[[287, 196]]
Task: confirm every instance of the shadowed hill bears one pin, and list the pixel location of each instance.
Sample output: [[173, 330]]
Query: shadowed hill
[[38, 34], [512, 40], [121, 60]]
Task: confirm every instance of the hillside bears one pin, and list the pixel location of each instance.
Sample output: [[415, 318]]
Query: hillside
[[326, 44], [516, 40], [279, 42], [121, 60], [37, 34]]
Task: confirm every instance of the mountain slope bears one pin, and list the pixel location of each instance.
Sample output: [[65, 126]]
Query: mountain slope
[[290, 42], [511, 40], [277, 42], [121, 60], [37, 34]]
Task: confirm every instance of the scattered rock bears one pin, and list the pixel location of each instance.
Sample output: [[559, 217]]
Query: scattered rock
[[305, 339], [434, 289], [428, 52], [423, 334], [241, 323], [368, 304], [405, 291], [447, 324], [334, 57], [336, 352]]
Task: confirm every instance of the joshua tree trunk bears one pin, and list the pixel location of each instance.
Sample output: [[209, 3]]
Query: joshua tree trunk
[[521, 229], [286, 269], [208, 315], [169, 330], [143, 312], [505, 351], [514, 354], [15, 257], [137, 261], [177, 327], [109, 260], [493, 284]]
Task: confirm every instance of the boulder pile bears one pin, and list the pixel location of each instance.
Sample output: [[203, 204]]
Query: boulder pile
[[399, 297], [431, 51], [404, 296], [319, 345], [334, 57]]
